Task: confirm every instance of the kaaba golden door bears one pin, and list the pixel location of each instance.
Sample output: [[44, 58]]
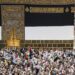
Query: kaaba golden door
[[13, 41]]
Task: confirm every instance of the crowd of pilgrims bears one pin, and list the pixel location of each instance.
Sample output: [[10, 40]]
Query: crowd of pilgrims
[[37, 61]]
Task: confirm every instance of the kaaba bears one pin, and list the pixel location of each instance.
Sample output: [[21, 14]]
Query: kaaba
[[37, 37], [48, 23]]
